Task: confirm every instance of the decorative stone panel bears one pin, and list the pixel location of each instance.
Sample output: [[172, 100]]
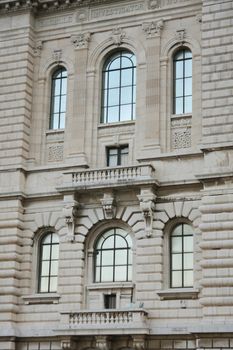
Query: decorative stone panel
[[181, 133], [55, 153]]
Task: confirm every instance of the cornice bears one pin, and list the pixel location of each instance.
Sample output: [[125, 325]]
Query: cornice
[[45, 6]]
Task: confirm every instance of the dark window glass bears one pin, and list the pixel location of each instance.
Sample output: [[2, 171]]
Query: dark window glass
[[110, 301], [182, 82], [119, 88], [113, 256], [58, 99], [117, 156], [48, 263], [181, 253]]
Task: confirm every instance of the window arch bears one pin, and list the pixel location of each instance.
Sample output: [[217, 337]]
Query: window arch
[[119, 87], [58, 99], [113, 256], [181, 256], [48, 263], [182, 81]]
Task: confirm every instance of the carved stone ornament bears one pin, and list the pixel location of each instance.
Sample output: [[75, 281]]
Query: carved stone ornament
[[108, 204], [152, 29], [181, 35], [153, 4], [81, 41], [70, 212], [67, 344], [102, 342], [37, 48], [117, 36], [147, 206], [139, 342], [57, 55]]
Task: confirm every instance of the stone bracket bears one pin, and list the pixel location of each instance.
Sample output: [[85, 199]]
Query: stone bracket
[[70, 212], [102, 342], [147, 206], [117, 36], [81, 40], [152, 29], [68, 344], [108, 205], [139, 342]]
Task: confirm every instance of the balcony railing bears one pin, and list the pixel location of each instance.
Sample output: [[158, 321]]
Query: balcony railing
[[106, 321], [118, 176]]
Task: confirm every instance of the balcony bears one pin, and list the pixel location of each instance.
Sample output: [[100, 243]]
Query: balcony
[[109, 177], [104, 322]]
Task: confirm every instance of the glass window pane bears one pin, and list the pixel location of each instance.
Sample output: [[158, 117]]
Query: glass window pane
[[45, 268], [120, 242], [53, 284], [97, 274], [177, 231], [134, 94], [113, 114], [112, 160], [176, 261], [113, 97], [104, 115], [188, 104], [188, 244], [121, 257], [55, 251], [179, 105], [55, 238], [188, 54], [176, 244], [179, 55], [176, 279], [125, 62], [188, 86], [134, 112], [179, 69], [188, 278], [188, 261], [57, 87], [54, 268], [179, 88], [47, 239], [188, 68], [62, 120], [107, 274], [46, 252], [56, 106], [126, 112], [115, 63], [108, 243], [97, 261], [107, 257], [130, 256], [64, 87], [63, 104], [129, 273], [187, 230], [44, 284], [120, 273], [114, 79], [126, 77], [126, 95], [124, 159]]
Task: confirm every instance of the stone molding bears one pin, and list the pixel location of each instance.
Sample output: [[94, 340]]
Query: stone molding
[[81, 40]]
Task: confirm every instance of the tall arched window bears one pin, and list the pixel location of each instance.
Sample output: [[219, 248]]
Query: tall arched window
[[48, 263], [119, 88], [181, 255], [58, 99], [182, 82], [113, 256]]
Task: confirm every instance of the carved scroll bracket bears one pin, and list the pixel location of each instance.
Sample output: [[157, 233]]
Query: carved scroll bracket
[[70, 212], [108, 204], [117, 36], [81, 41], [102, 342], [139, 342], [147, 205], [152, 29]]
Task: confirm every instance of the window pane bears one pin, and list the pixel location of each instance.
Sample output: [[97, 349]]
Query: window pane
[[179, 88], [57, 87], [121, 257], [188, 261], [63, 104], [177, 231], [129, 273], [64, 87], [120, 273], [47, 239], [124, 159], [114, 79], [130, 257], [188, 54], [55, 238], [46, 252], [176, 244], [177, 279], [113, 97], [177, 262], [62, 120], [113, 114], [115, 63], [97, 274], [179, 55], [108, 243], [188, 278], [45, 268], [187, 230], [188, 86], [54, 268], [126, 112], [107, 257], [120, 242], [179, 105], [188, 244], [188, 68], [179, 69], [44, 284], [134, 94], [112, 160], [126, 95], [56, 105], [104, 115], [188, 104], [53, 284], [126, 62], [126, 77], [107, 274]]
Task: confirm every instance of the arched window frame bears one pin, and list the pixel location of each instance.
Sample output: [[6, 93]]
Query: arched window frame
[[108, 105], [183, 252], [98, 256], [182, 81], [51, 259], [58, 99]]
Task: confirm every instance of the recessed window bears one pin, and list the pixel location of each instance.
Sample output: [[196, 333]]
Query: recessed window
[[48, 263], [113, 256], [110, 301], [181, 254], [117, 156], [58, 99], [119, 88], [182, 82]]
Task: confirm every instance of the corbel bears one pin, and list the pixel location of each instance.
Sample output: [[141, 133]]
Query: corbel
[[102, 342], [68, 344], [139, 342], [147, 205], [108, 205], [117, 36], [152, 29], [70, 213]]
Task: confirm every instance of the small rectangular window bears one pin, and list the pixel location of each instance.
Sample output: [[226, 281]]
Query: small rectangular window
[[117, 156], [110, 301]]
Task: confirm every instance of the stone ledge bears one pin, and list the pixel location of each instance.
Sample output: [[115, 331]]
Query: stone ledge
[[47, 298], [183, 293]]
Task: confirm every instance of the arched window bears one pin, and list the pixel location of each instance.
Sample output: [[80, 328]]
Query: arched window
[[113, 256], [48, 263], [119, 88], [182, 82], [58, 99], [181, 255]]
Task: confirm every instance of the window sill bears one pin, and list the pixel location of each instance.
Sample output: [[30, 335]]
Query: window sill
[[181, 293], [184, 115], [54, 131], [116, 124], [43, 298], [112, 286]]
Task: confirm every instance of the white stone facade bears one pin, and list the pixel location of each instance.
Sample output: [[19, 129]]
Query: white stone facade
[[179, 171]]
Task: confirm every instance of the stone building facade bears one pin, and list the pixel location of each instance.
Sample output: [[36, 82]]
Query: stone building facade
[[116, 148]]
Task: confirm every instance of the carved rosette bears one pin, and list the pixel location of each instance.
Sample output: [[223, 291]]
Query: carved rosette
[[152, 29], [147, 205], [70, 212], [108, 205], [117, 36], [102, 342], [81, 41]]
